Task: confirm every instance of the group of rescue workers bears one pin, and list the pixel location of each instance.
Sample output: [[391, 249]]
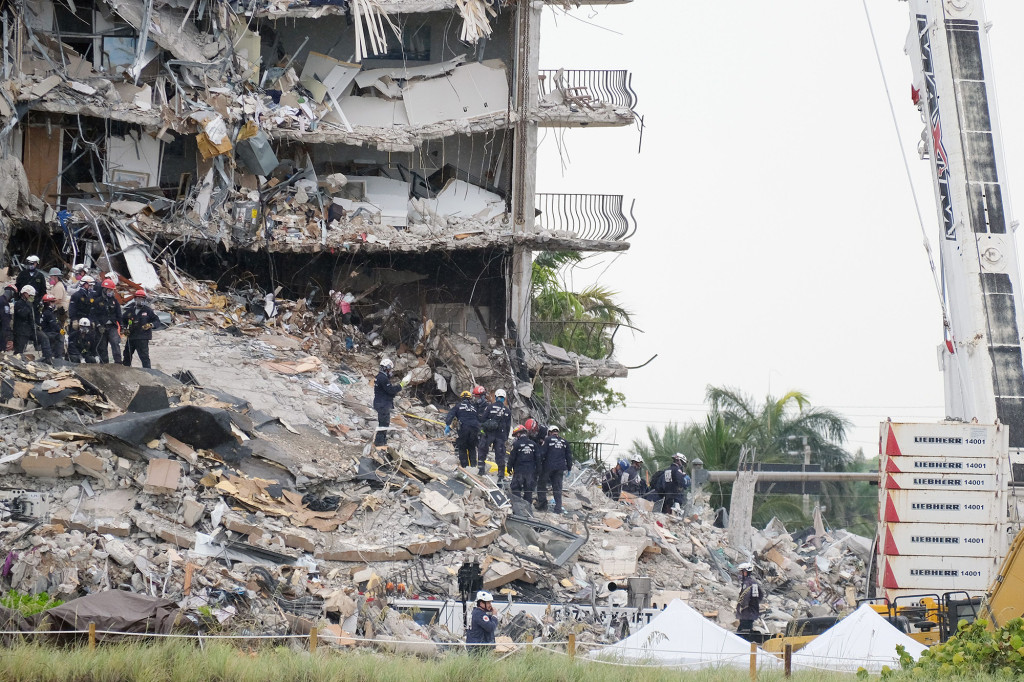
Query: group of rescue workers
[[539, 456], [70, 320], [666, 489]]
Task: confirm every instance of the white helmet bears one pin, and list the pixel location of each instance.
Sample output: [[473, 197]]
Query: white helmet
[[88, 279], [32, 259], [84, 322], [28, 289], [386, 363], [745, 566], [553, 428], [680, 456], [483, 595], [500, 393], [78, 268]]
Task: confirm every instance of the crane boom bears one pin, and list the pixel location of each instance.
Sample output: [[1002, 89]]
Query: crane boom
[[982, 359]]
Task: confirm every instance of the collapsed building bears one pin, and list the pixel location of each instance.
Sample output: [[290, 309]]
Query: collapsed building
[[357, 145]]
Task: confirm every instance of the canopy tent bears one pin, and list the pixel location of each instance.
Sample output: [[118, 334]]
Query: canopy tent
[[681, 637], [861, 640]]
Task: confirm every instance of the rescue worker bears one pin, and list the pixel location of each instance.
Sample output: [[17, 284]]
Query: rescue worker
[[82, 300], [55, 287], [673, 483], [106, 319], [75, 281], [480, 401], [483, 624], [32, 275], [611, 484], [82, 342], [538, 432], [469, 429], [556, 461], [50, 325], [748, 606], [26, 325], [524, 463], [633, 480], [7, 317], [384, 393], [139, 320], [496, 422]]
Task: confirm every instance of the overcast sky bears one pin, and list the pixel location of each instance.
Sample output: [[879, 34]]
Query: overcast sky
[[778, 245]]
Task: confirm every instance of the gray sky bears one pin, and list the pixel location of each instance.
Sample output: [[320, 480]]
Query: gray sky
[[778, 243]]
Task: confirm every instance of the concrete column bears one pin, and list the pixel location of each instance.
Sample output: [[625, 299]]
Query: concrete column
[[524, 159]]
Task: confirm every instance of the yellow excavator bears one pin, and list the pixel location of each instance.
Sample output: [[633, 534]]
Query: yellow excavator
[[1006, 595]]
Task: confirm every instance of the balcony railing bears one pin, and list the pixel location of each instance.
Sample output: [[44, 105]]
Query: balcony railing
[[585, 450], [583, 86], [588, 216]]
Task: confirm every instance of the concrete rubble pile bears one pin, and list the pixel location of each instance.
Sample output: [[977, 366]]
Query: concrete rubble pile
[[239, 483]]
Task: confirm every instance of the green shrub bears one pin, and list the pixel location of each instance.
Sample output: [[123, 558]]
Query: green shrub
[[29, 604], [973, 651]]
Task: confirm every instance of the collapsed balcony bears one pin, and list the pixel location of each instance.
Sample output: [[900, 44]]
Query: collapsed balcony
[[585, 97]]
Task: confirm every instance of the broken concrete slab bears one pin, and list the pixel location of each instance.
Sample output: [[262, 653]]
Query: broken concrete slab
[[47, 467], [163, 476]]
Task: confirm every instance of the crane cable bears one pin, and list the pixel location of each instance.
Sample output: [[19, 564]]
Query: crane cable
[[917, 204]]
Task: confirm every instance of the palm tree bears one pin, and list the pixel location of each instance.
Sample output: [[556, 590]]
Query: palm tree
[[778, 425], [581, 322], [771, 430]]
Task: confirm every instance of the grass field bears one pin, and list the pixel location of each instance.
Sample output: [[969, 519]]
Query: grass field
[[179, 661], [175, 661]]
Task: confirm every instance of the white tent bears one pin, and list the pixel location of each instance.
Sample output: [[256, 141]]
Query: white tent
[[682, 637], [861, 640]]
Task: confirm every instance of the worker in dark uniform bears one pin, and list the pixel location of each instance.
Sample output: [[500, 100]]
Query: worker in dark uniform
[[26, 325], [673, 484], [611, 484], [634, 481], [7, 317], [82, 342], [538, 432], [139, 320], [556, 461], [50, 325], [32, 275], [524, 463], [748, 606], [106, 319], [480, 401], [469, 429], [483, 624], [82, 300], [497, 421], [384, 393]]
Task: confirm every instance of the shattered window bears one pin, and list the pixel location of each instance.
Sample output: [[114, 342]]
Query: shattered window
[[78, 20]]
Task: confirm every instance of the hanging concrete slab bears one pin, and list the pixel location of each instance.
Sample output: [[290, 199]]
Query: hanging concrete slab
[[467, 92]]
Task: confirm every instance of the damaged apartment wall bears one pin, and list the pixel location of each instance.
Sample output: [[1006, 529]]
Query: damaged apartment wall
[[258, 106]]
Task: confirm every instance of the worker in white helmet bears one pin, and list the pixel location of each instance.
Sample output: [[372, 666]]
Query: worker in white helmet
[[748, 606], [495, 424], [483, 624], [26, 325]]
